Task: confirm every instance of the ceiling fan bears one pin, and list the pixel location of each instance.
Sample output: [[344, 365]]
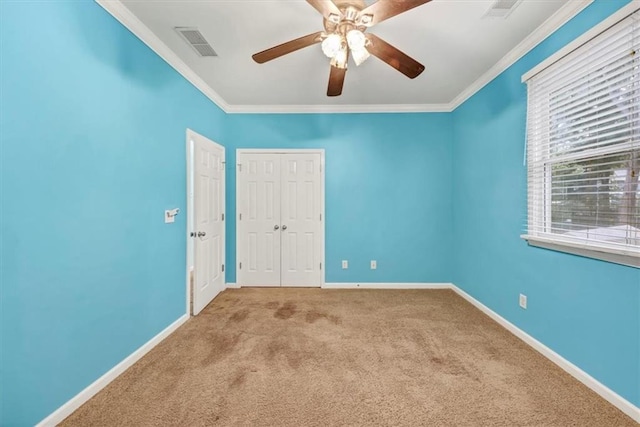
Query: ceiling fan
[[345, 23]]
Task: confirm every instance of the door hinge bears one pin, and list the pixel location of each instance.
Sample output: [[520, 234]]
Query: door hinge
[[223, 163], [223, 268], [240, 167], [223, 217], [320, 217], [240, 266], [320, 266], [240, 217], [192, 234]]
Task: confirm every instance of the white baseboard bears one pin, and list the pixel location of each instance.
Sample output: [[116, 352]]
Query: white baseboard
[[606, 393], [67, 409], [232, 286], [360, 285]]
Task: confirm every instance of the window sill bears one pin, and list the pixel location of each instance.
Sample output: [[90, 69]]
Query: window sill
[[629, 258]]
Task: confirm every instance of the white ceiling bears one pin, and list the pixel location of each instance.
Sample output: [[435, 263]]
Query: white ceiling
[[452, 38]]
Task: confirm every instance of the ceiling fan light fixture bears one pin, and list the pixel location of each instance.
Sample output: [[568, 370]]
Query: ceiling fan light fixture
[[356, 39], [340, 59], [360, 55], [345, 23], [332, 45]]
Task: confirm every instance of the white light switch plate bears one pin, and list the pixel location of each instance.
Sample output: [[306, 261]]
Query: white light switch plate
[[374, 264], [168, 218], [345, 264]]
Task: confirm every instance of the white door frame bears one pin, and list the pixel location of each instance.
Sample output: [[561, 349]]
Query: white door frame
[[320, 151], [191, 213]]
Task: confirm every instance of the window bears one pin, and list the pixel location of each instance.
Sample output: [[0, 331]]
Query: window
[[583, 148]]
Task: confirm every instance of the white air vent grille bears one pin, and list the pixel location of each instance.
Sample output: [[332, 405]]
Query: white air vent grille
[[204, 50], [502, 8], [196, 40]]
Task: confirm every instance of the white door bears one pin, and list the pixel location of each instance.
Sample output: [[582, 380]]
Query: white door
[[301, 220], [259, 219], [208, 221], [280, 233]]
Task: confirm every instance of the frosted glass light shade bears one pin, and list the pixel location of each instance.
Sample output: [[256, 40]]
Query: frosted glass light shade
[[360, 55], [356, 39], [340, 60], [332, 45]]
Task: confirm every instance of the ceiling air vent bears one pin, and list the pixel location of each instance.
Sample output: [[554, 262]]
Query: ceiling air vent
[[502, 8], [196, 40]]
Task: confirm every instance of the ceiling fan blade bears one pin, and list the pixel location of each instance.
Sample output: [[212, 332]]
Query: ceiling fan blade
[[325, 7], [385, 9], [288, 47], [336, 80], [394, 57]]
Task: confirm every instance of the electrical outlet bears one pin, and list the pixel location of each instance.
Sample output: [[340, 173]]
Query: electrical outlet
[[523, 301], [374, 264], [345, 264]]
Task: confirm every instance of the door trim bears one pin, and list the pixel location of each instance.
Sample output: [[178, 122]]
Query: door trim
[[191, 212], [320, 151]]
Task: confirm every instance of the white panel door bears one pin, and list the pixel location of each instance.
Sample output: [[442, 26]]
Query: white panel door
[[258, 192], [301, 223], [208, 221], [280, 237]]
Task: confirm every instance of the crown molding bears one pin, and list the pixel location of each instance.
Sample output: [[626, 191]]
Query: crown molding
[[365, 108], [120, 12], [548, 27], [625, 11]]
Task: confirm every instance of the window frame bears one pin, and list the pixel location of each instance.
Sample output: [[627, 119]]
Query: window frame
[[540, 213]]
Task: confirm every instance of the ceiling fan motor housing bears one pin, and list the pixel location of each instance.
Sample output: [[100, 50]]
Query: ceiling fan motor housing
[[350, 18]]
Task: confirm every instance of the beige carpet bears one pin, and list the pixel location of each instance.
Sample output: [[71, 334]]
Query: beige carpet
[[311, 357]]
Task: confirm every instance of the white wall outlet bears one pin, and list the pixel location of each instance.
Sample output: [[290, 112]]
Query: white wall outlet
[[374, 264], [345, 264], [523, 301]]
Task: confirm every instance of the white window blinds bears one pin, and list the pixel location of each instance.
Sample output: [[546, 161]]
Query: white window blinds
[[583, 144]]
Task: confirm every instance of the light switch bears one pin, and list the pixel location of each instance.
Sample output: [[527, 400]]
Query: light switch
[[170, 215]]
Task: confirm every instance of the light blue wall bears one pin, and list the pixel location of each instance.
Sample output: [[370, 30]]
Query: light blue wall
[[93, 152], [388, 189], [92, 133], [586, 310]]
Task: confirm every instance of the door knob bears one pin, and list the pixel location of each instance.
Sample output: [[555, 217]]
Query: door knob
[[275, 227], [284, 227], [201, 234]]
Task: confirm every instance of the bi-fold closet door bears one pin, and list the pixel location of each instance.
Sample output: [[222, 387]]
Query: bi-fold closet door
[[280, 232]]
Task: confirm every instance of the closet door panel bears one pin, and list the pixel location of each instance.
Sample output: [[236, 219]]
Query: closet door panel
[[301, 222], [258, 221]]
